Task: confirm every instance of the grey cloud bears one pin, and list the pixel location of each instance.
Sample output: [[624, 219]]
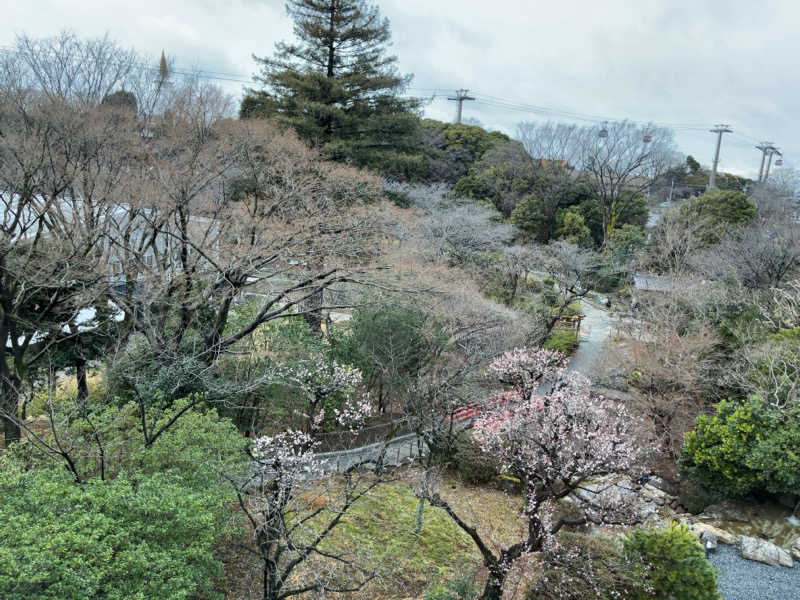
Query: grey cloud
[[675, 61]]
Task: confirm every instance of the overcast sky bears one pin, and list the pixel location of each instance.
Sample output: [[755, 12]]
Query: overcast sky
[[692, 63]]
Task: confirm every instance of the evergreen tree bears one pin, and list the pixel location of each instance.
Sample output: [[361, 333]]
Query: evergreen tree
[[163, 69], [339, 89]]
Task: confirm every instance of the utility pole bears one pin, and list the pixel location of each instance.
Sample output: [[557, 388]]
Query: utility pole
[[719, 130], [461, 96], [764, 147], [772, 150]]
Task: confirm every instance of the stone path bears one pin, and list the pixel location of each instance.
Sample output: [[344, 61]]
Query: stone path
[[595, 330]]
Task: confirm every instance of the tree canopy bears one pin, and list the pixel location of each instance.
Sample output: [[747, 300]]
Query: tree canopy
[[338, 88]]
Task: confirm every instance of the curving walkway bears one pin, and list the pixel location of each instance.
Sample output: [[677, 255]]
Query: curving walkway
[[595, 331]]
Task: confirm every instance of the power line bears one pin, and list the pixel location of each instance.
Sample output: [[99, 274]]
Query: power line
[[461, 96]]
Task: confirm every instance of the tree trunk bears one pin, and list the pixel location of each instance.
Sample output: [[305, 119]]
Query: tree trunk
[[11, 430], [271, 586], [314, 317], [421, 503], [80, 376], [493, 590]]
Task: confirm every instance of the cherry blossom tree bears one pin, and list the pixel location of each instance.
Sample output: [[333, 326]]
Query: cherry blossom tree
[[319, 380], [293, 504], [552, 433]]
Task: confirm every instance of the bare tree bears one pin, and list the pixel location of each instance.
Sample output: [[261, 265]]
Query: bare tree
[[68, 69], [575, 271], [293, 505], [623, 163], [454, 230], [671, 360], [782, 310], [551, 141], [621, 159], [60, 168], [218, 210], [173, 227], [673, 244], [768, 369], [762, 255]]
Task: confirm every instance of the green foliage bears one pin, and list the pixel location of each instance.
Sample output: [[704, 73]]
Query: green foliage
[[195, 450], [571, 227], [459, 587], [389, 343], [337, 87], [626, 241], [283, 341], [471, 138], [289, 338], [134, 537], [473, 465], [451, 149], [677, 568], [744, 447], [563, 339], [508, 177], [532, 217], [552, 204], [137, 373], [716, 211]]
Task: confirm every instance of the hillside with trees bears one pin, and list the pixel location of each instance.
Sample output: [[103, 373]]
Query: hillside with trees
[[315, 345]]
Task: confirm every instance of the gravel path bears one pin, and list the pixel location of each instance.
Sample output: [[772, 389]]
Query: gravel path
[[741, 579]]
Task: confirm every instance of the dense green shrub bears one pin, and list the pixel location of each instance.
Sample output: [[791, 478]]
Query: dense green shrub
[[473, 464], [745, 446], [676, 565], [389, 343], [134, 537], [571, 227], [626, 241], [716, 211], [196, 450], [534, 217]]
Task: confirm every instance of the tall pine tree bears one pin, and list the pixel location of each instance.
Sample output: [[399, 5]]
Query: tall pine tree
[[338, 88]]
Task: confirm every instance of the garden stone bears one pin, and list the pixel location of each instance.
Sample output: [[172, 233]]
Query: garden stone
[[704, 529], [663, 485], [763, 551], [709, 541], [796, 548], [727, 510]]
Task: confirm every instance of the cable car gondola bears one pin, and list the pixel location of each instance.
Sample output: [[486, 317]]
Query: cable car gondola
[[779, 162]]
